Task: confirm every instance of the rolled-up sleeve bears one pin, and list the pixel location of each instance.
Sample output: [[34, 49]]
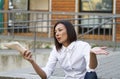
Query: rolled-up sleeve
[[50, 66]]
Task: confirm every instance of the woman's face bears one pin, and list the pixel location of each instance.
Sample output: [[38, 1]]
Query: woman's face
[[61, 34]]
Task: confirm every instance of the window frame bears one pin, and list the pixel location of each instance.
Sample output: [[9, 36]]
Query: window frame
[[104, 11]]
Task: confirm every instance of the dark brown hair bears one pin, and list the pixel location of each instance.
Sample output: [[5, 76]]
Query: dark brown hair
[[70, 33]]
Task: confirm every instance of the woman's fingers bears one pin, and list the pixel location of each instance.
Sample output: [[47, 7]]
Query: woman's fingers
[[103, 47], [27, 55], [104, 50], [25, 52], [100, 50]]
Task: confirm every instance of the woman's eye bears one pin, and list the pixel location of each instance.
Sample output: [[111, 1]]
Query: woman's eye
[[60, 29], [54, 31]]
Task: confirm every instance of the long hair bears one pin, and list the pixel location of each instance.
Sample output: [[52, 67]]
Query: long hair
[[70, 33]]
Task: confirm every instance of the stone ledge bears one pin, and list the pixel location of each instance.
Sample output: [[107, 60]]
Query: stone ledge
[[9, 78], [12, 60], [29, 44]]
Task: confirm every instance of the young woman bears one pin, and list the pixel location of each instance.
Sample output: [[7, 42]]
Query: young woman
[[75, 57]]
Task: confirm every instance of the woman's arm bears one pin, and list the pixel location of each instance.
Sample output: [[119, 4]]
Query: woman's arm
[[28, 56], [39, 71], [93, 58], [93, 61]]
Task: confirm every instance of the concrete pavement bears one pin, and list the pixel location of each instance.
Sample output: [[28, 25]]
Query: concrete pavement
[[108, 68]]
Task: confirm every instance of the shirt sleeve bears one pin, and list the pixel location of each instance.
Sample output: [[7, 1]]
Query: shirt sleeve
[[87, 57], [50, 66]]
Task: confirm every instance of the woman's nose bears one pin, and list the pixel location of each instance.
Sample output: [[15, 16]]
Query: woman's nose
[[57, 33]]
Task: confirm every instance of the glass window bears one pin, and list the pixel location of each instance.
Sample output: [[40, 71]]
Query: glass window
[[17, 16], [96, 5], [18, 4], [101, 23], [39, 4], [95, 21]]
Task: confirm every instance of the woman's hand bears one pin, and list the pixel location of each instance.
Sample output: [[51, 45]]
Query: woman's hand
[[28, 56], [99, 50]]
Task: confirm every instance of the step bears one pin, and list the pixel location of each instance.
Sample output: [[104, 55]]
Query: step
[[12, 60]]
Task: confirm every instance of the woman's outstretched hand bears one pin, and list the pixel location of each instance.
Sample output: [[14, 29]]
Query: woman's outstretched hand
[[99, 51]]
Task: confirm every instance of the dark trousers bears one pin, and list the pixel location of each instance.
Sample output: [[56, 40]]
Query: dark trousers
[[91, 75]]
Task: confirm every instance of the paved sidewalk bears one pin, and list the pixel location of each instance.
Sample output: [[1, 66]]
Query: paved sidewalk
[[108, 68]]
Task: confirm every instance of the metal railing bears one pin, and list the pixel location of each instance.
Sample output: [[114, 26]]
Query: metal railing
[[94, 26]]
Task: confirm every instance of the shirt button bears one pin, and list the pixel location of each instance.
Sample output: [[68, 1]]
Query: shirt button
[[73, 68]]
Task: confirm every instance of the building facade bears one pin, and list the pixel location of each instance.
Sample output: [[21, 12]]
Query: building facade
[[77, 6]]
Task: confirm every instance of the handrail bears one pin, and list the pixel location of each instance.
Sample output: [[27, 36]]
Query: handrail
[[46, 21], [95, 27]]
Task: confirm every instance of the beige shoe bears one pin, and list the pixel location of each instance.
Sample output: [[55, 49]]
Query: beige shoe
[[15, 45]]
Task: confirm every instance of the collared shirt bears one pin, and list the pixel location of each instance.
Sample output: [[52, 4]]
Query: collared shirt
[[74, 60]]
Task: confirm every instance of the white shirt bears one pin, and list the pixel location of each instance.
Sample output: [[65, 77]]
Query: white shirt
[[74, 60]]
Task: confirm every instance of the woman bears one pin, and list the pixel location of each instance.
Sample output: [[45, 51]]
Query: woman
[[75, 57]]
